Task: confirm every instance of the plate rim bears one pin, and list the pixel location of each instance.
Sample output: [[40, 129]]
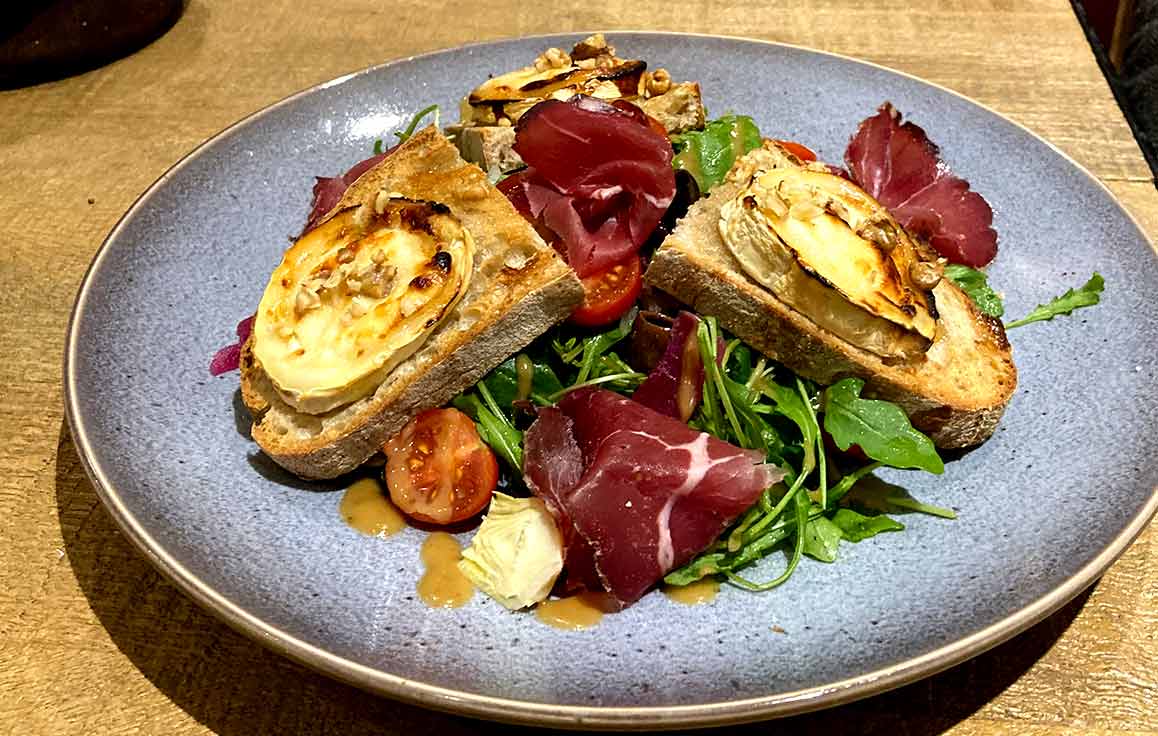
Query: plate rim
[[510, 710]]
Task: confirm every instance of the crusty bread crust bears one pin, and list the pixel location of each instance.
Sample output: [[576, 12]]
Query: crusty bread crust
[[956, 394], [519, 289]]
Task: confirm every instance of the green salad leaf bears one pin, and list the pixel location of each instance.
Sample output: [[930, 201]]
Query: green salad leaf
[[405, 134], [976, 285], [1086, 295], [408, 131], [595, 363], [493, 426], [708, 154], [821, 539], [880, 428], [800, 509], [503, 383], [856, 527], [588, 359]]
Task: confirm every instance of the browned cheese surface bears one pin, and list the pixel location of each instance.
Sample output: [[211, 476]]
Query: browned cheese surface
[[93, 641]]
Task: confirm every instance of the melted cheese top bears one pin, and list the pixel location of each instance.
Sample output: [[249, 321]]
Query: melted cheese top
[[356, 296], [829, 250]]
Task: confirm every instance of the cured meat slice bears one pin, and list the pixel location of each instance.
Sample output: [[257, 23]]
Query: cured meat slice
[[675, 386], [228, 358], [598, 176], [901, 168], [652, 492], [955, 220], [328, 190], [552, 468]]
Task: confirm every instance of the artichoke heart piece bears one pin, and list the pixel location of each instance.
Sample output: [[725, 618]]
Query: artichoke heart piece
[[517, 552], [356, 296], [827, 249]]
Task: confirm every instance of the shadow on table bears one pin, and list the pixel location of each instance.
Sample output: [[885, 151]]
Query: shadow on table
[[236, 687]]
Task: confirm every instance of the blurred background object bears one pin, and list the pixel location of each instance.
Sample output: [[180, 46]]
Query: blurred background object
[[1124, 36], [42, 40]]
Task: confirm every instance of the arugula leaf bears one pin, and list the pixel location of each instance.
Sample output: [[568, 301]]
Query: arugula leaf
[[793, 405], [801, 508], [503, 383], [414, 121], [821, 539], [738, 364], [595, 362], [715, 390], [856, 527], [1086, 295], [847, 482], [494, 429], [880, 428], [911, 504], [708, 154], [379, 146], [975, 284], [729, 409]]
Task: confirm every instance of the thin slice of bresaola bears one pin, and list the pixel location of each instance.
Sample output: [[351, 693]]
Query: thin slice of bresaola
[[652, 493], [552, 468], [328, 190], [597, 177], [678, 372], [896, 163]]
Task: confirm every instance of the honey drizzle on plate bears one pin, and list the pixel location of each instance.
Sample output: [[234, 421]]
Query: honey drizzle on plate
[[702, 591], [366, 508], [580, 611], [443, 585]]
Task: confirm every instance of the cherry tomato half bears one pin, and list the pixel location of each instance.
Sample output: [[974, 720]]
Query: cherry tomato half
[[609, 293], [438, 469], [804, 153]]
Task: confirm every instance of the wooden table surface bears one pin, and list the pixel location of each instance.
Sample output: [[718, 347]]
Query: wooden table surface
[[93, 641]]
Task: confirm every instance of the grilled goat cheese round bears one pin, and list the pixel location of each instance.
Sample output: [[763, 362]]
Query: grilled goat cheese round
[[831, 252], [356, 296]]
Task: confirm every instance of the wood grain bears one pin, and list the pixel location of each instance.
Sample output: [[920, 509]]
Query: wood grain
[[93, 641]]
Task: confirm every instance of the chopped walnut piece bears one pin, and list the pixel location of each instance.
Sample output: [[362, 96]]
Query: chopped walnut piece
[[306, 300], [377, 281], [591, 47], [657, 82], [552, 58]]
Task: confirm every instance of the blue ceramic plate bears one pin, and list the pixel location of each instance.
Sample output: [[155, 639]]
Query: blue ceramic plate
[[1044, 506]]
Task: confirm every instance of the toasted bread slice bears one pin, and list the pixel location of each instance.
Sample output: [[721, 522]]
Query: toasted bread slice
[[519, 289], [956, 393]]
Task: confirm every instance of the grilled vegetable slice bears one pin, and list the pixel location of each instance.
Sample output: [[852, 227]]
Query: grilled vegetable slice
[[555, 75]]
